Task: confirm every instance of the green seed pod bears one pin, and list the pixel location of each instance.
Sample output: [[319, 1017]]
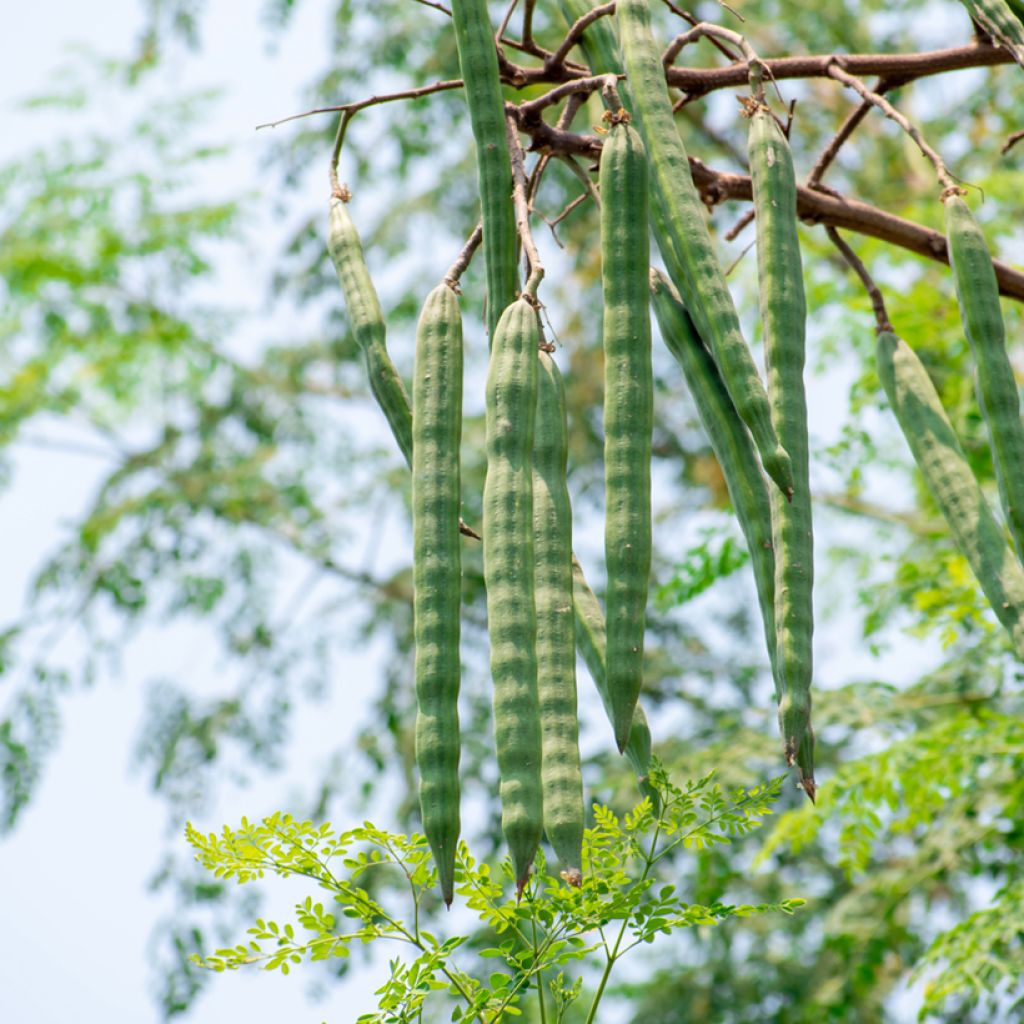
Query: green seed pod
[[368, 323], [591, 641], [561, 777], [784, 315], [978, 295], [947, 473], [730, 441], [437, 571], [685, 243], [508, 574], [998, 19], [478, 60], [628, 414]]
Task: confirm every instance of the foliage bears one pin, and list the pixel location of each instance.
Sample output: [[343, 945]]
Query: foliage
[[625, 901], [237, 460]]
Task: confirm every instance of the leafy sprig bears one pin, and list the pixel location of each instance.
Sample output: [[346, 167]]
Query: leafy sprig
[[622, 903]]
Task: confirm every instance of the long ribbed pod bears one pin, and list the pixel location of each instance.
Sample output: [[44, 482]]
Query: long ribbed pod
[[367, 320], [687, 249], [561, 776], [730, 441], [784, 316], [978, 296], [437, 572], [628, 414], [511, 395], [478, 60], [947, 473]]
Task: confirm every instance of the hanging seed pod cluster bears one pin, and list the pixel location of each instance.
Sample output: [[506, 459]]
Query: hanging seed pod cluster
[[541, 611]]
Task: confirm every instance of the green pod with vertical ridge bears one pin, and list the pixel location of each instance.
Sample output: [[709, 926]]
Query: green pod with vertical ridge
[[730, 441], [628, 413], [561, 776], [437, 572], [510, 401], [478, 61], [946, 471], [367, 320], [784, 320], [685, 243], [978, 295]]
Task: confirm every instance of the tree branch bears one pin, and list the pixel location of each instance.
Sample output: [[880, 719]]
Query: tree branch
[[895, 66]]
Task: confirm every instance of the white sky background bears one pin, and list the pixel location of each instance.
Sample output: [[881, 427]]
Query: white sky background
[[75, 918], [75, 915]]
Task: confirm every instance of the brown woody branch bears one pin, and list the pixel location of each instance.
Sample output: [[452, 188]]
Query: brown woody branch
[[896, 67], [813, 206]]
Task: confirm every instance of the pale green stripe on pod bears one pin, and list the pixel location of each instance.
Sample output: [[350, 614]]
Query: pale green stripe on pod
[[478, 60], [998, 19], [561, 776], [947, 473], [511, 394], [978, 295], [730, 441], [437, 572], [628, 414], [784, 317], [688, 252], [591, 641], [367, 321]]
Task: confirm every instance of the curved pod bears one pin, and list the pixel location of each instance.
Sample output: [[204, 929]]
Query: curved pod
[[783, 317], [978, 296], [947, 473], [628, 414], [511, 394], [687, 249], [561, 776], [367, 320], [730, 441]]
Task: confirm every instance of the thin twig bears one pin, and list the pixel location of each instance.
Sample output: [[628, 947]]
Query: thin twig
[[535, 269], [846, 129], [882, 321], [528, 21], [588, 183], [942, 172], [569, 207], [691, 20], [337, 189], [577, 85], [370, 101], [458, 268], [1012, 141], [509, 11], [576, 30], [734, 232], [739, 259], [437, 7]]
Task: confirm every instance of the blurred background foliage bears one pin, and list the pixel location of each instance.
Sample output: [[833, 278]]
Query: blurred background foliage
[[251, 492]]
